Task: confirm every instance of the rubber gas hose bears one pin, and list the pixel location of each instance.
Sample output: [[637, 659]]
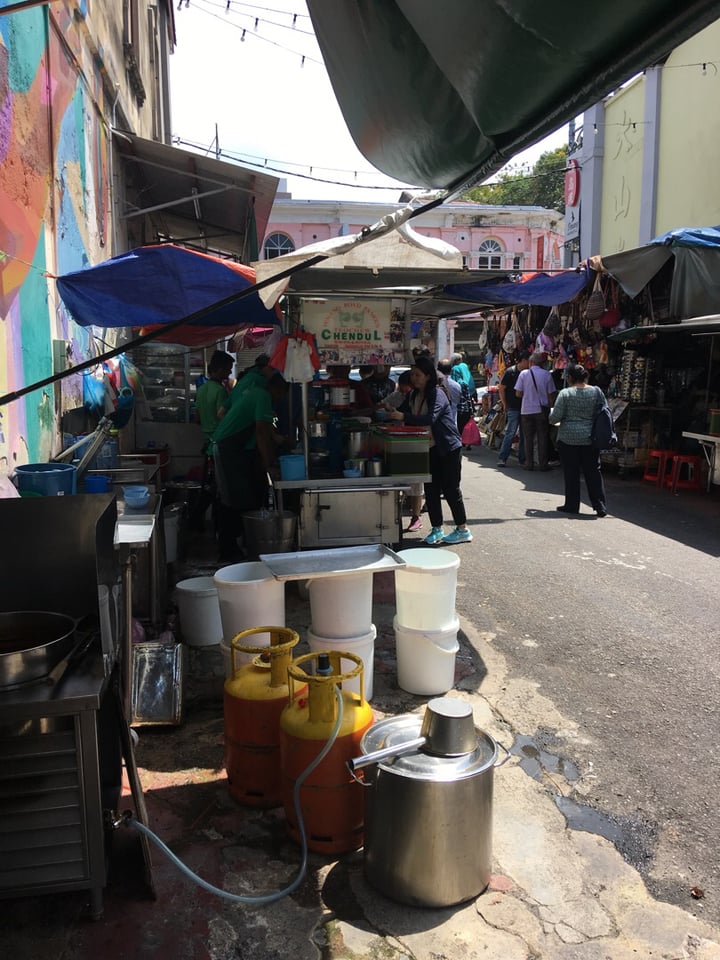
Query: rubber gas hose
[[279, 894]]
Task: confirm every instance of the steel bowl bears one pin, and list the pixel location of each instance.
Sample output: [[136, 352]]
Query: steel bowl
[[32, 643]]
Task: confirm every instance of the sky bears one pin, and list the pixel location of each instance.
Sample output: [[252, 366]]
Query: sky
[[253, 75]]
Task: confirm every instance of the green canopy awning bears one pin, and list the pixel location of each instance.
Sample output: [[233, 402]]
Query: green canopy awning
[[441, 93]]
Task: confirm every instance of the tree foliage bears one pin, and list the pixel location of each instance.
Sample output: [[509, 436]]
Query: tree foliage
[[543, 186]]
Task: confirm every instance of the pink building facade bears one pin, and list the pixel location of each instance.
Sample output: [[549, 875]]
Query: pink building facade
[[516, 239]]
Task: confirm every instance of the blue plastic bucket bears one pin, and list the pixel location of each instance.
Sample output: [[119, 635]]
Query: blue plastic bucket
[[47, 479], [292, 467], [98, 484]]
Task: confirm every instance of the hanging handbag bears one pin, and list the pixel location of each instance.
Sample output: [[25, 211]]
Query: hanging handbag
[[595, 306], [611, 317]]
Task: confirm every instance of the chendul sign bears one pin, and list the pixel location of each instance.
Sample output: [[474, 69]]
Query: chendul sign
[[354, 331]]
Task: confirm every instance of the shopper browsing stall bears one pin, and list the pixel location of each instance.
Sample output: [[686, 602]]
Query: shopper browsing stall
[[536, 389], [574, 411], [427, 405]]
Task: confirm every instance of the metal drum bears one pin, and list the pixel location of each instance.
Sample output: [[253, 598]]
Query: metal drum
[[428, 809]]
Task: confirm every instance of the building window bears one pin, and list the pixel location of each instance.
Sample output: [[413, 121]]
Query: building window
[[517, 264], [276, 245], [490, 255]]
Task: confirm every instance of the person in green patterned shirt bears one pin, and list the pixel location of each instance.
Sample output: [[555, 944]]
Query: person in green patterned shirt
[[574, 410]]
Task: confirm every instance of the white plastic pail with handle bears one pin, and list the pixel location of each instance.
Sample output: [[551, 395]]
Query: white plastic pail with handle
[[362, 646], [199, 612], [249, 596], [425, 588], [426, 658]]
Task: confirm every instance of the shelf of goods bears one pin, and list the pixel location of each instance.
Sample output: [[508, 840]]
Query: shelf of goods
[[639, 429], [169, 374]]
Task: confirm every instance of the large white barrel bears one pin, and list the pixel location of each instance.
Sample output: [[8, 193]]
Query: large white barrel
[[425, 588], [426, 658], [249, 596]]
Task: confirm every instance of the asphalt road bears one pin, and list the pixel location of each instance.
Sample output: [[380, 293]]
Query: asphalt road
[[610, 626]]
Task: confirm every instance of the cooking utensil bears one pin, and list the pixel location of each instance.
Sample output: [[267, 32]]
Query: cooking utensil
[[428, 816], [32, 643]]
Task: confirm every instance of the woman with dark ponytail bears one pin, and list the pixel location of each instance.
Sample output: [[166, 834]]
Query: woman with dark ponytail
[[428, 405]]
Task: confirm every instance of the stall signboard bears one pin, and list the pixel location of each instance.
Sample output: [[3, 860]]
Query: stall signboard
[[355, 331]]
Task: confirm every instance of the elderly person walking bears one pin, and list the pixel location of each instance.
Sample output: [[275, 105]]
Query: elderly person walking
[[574, 411], [536, 388]]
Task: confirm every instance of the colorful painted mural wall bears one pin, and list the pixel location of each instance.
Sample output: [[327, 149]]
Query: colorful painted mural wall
[[54, 208]]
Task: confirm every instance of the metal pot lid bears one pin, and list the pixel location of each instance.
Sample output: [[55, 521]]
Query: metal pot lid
[[422, 765]]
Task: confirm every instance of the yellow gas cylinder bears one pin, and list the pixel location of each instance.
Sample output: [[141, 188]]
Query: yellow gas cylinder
[[331, 799], [254, 699]]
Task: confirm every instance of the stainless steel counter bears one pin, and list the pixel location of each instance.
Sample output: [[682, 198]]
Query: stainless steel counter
[[343, 512], [709, 443]]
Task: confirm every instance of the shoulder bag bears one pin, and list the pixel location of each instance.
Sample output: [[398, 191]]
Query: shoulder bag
[[602, 435], [544, 407]]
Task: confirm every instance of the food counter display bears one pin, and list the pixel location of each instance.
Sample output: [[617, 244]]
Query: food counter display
[[709, 443]]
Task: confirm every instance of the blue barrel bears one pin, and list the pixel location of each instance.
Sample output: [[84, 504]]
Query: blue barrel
[[46, 479]]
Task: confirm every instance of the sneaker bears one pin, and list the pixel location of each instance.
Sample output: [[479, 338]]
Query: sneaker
[[502, 463], [458, 536], [415, 524], [435, 537]]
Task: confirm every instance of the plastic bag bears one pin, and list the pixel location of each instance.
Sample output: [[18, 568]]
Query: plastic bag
[[471, 435]]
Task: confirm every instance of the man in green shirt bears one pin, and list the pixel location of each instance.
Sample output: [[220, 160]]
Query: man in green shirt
[[245, 448], [212, 395]]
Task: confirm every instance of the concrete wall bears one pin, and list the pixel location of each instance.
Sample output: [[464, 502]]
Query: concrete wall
[[622, 170], [651, 166], [63, 77], [688, 184]]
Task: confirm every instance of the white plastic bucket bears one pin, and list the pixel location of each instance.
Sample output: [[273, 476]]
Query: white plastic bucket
[[249, 596], [426, 658], [341, 607], [425, 589], [197, 600], [362, 646]]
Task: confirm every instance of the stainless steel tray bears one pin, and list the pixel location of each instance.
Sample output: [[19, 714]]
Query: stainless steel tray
[[158, 671], [307, 565]]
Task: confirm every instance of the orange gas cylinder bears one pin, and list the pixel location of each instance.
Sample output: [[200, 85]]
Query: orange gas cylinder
[[253, 701], [331, 800]]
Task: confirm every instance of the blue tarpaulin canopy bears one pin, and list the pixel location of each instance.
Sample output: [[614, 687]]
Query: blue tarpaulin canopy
[[540, 289], [161, 284]]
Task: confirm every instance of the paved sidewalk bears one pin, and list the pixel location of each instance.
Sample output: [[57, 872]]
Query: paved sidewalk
[[555, 894]]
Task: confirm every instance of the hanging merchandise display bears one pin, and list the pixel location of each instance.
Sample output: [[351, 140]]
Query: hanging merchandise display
[[296, 357], [595, 306]]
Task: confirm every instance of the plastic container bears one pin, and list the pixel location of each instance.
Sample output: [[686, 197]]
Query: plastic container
[[98, 483], [425, 588], [362, 646], [46, 479], [714, 428], [249, 596], [426, 658], [172, 518], [136, 497], [199, 611], [341, 607], [292, 467]]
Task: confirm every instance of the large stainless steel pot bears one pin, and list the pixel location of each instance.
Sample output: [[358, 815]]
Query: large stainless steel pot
[[32, 644], [317, 428], [357, 444], [428, 806]]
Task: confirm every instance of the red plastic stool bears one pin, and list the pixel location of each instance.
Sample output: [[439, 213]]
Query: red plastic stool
[[658, 465], [693, 479]]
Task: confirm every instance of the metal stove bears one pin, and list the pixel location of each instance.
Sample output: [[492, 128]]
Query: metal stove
[[61, 736]]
